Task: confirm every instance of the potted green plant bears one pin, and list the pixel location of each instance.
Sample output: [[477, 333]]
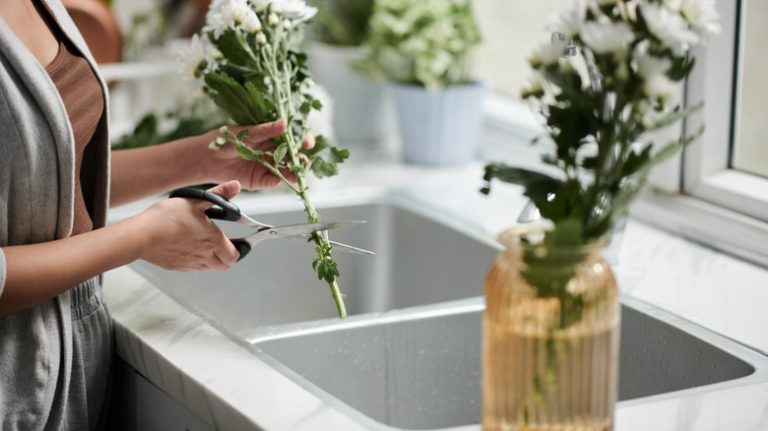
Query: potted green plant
[[423, 48], [337, 34], [551, 326]]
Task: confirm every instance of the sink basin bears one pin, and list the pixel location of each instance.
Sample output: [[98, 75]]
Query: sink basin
[[418, 261], [423, 371], [408, 357]]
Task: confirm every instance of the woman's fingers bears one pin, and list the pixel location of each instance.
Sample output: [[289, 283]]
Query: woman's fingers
[[225, 253], [227, 190], [309, 142], [261, 132]]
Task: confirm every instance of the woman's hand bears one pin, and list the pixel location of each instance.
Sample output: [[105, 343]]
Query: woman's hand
[[142, 172], [179, 236], [225, 164]]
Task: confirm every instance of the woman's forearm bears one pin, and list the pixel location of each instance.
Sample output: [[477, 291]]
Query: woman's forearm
[[143, 172], [173, 234], [36, 273]]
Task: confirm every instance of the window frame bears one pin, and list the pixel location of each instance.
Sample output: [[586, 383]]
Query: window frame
[[707, 171]]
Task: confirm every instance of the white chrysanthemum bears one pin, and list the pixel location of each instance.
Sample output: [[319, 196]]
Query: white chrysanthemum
[[295, 9], [546, 54], [649, 66], [191, 56], [260, 5], [570, 22], [226, 14], [701, 14], [653, 70], [660, 87], [607, 37], [669, 27], [535, 84]]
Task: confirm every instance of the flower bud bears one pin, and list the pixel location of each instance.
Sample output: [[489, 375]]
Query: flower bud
[[273, 20], [261, 39]]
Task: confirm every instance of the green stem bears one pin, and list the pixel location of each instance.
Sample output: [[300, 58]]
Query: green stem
[[321, 240], [285, 110]]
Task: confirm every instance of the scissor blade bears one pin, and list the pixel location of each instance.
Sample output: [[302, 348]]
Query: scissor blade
[[341, 247], [346, 248], [307, 228]]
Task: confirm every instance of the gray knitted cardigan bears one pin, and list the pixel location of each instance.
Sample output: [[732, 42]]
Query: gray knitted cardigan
[[36, 205]]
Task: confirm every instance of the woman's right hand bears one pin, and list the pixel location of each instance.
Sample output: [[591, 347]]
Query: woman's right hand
[[179, 236]]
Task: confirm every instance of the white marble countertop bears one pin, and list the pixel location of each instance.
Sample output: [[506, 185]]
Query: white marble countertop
[[230, 388]]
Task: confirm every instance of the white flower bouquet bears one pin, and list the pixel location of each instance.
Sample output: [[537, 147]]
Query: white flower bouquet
[[251, 66], [424, 42], [609, 77]]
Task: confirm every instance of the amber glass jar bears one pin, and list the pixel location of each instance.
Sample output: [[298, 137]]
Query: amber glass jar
[[550, 339]]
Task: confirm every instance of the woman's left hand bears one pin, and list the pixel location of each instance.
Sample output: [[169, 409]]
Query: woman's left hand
[[225, 164]]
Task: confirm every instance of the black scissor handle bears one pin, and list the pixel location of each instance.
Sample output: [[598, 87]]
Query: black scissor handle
[[242, 246], [222, 209]]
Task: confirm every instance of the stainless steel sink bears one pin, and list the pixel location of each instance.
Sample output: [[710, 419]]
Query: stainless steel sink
[[417, 262], [423, 371], [408, 357]]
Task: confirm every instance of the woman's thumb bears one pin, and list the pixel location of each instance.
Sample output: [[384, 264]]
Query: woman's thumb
[[227, 190]]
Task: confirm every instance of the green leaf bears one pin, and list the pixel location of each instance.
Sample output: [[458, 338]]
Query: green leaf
[[233, 48], [589, 163], [305, 108], [538, 186], [324, 157], [280, 153], [636, 161], [681, 67], [671, 149], [145, 133], [673, 117], [230, 96]]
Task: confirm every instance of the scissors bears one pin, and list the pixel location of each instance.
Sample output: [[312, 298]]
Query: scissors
[[223, 209]]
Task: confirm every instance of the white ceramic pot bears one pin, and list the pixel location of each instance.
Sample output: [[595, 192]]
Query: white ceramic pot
[[440, 127], [360, 111]]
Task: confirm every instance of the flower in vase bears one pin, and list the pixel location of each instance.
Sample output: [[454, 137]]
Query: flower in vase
[[701, 14], [570, 22], [669, 27], [607, 37], [653, 70], [546, 54]]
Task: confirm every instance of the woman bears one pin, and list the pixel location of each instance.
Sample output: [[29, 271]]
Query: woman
[[56, 180]]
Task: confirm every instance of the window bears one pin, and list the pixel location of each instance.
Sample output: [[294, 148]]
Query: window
[[728, 167], [750, 149]]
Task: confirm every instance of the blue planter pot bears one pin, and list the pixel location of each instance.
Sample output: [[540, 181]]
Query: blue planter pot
[[439, 127]]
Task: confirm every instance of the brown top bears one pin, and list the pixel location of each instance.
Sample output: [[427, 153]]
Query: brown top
[[84, 101]]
